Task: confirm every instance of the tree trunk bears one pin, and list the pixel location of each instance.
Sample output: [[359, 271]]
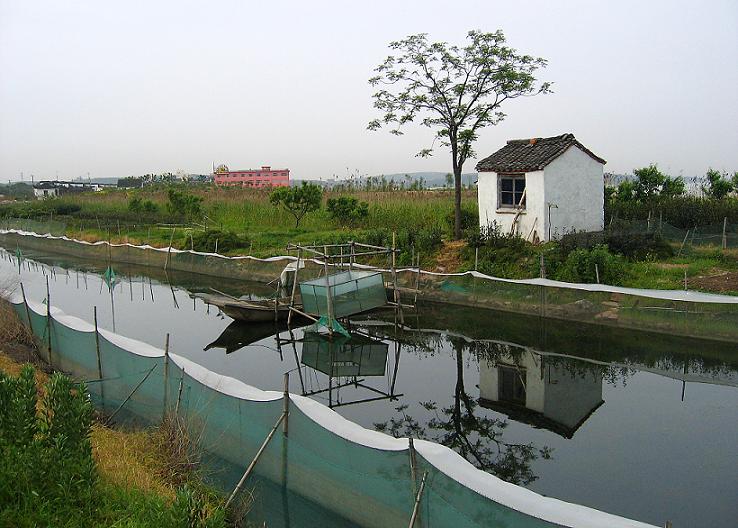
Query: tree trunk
[[457, 203]]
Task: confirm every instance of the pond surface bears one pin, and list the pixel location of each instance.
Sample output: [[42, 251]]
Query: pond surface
[[637, 424]]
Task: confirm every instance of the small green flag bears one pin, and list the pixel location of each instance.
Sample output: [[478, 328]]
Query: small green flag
[[109, 277]]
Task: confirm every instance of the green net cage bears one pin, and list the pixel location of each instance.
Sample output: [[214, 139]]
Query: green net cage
[[351, 292]]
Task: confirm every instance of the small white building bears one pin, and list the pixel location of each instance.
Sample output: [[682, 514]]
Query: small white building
[[541, 188]]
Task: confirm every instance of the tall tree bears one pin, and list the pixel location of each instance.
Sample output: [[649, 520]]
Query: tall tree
[[454, 90]]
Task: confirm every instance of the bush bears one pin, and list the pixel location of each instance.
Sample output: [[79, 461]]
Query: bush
[[618, 239], [579, 266], [347, 209], [184, 204], [47, 454], [226, 241], [469, 220]]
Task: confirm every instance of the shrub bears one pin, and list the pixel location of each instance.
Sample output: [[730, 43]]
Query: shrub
[[469, 220], [619, 239], [135, 204], [298, 201], [226, 241], [347, 209], [579, 266], [184, 204]]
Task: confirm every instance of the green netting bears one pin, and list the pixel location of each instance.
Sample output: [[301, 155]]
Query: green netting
[[341, 356], [351, 292], [366, 480]]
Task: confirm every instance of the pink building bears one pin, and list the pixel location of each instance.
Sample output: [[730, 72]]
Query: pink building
[[263, 177]]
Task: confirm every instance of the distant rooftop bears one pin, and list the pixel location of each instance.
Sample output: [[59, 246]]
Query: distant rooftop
[[525, 155]]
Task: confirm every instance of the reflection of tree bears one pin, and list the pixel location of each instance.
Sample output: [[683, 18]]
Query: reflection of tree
[[478, 439]]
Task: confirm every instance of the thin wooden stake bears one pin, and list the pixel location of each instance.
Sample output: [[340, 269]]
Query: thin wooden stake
[[286, 404], [130, 395], [294, 287], [169, 249], [683, 242], [48, 318], [251, 466], [476, 259], [725, 235], [166, 374], [28, 314], [418, 497], [597, 273], [685, 280], [99, 360], [179, 392]]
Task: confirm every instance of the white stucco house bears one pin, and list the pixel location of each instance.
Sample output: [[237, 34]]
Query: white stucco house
[[541, 188]]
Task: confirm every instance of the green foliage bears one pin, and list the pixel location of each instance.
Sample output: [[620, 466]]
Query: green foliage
[[47, 454], [347, 209], [183, 204], [579, 266], [650, 184], [469, 220], [454, 90], [48, 475], [138, 205], [634, 245], [224, 240], [718, 185], [18, 191], [298, 201], [501, 254], [684, 212]]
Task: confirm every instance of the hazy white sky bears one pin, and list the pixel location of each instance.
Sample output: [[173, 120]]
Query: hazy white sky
[[126, 88]]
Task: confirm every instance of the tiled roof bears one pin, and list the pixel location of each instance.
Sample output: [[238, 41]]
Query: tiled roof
[[524, 155]]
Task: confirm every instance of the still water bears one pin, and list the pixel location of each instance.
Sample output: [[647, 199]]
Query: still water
[[637, 424]]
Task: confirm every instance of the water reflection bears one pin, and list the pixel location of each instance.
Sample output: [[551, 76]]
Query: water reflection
[[534, 401], [540, 391]]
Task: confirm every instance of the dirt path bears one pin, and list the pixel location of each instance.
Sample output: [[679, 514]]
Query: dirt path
[[449, 257], [723, 282]]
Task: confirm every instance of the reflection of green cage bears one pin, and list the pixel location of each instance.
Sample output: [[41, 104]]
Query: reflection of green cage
[[358, 356], [352, 292]]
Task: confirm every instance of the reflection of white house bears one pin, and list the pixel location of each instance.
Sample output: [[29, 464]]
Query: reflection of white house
[[541, 188], [532, 389]]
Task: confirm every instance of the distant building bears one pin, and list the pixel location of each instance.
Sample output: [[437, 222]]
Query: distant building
[[52, 189], [263, 177], [541, 188]]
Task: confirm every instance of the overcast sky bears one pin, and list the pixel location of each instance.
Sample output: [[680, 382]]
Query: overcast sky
[[127, 88]]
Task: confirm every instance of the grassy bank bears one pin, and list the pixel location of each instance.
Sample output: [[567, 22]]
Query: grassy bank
[[61, 466], [242, 221]]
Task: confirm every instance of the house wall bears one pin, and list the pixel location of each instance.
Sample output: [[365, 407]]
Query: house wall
[[489, 379], [531, 221], [575, 183]]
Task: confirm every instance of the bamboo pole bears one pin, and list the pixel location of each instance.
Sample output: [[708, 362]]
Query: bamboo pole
[[48, 318], [130, 395], [251, 466], [725, 235], [683, 242], [286, 404], [179, 392], [328, 298], [166, 374], [294, 287], [169, 249], [99, 360], [28, 315], [418, 497]]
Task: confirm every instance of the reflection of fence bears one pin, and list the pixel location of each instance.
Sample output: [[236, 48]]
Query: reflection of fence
[[668, 311], [367, 477]]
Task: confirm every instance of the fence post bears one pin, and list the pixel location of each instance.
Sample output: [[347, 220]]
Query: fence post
[[725, 236], [28, 315], [416, 507], [683, 242], [166, 374], [685, 280], [476, 258], [542, 266], [48, 318], [597, 273], [179, 392], [286, 404], [99, 360]]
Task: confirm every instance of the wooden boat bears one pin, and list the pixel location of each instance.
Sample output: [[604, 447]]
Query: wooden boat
[[252, 311]]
